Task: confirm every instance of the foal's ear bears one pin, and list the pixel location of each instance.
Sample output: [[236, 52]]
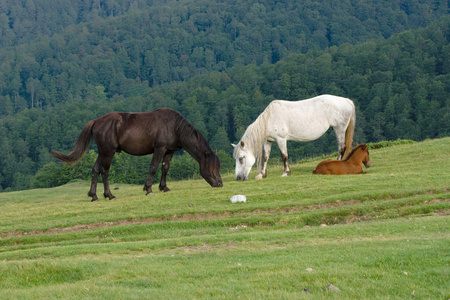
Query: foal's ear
[[215, 151], [234, 145]]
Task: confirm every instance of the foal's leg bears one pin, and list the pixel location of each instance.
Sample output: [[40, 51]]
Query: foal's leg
[[157, 156], [282, 144], [266, 153], [165, 168]]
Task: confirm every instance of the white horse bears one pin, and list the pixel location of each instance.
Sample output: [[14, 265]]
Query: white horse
[[300, 121]]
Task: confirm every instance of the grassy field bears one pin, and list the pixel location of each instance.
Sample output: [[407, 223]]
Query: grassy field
[[384, 234]]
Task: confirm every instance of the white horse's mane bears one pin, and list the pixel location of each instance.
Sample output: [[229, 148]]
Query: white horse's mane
[[256, 134]]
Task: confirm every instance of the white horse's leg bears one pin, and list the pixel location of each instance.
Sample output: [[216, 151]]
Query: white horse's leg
[[266, 153], [340, 137], [282, 144]]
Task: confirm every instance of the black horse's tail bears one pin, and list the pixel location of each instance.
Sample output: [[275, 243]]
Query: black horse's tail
[[80, 147]]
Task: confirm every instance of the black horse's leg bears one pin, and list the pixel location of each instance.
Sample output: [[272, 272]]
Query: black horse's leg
[[95, 172], [165, 168], [104, 170], [157, 156]]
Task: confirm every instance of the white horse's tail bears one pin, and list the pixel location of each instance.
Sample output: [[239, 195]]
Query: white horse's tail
[[349, 133]]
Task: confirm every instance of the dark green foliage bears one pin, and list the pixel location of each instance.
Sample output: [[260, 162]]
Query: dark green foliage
[[54, 174], [383, 144], [219, 64]]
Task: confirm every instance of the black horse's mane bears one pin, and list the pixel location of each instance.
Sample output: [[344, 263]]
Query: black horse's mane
[[186, 130], [354, 150]]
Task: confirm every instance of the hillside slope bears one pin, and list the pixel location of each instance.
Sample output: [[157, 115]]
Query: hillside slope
[[402, 177], [384, 234]]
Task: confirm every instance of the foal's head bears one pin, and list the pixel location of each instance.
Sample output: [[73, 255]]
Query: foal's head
[[363, 153]]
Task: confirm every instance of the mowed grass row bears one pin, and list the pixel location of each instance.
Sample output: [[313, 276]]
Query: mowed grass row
[[380, 259], [381, 234]]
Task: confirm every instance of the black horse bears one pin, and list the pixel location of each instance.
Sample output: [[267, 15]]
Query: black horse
[[161, 132]]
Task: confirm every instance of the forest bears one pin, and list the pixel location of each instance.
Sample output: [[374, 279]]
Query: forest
[[219, 64]]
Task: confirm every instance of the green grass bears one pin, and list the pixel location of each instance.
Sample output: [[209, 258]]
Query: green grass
[[384, 234]]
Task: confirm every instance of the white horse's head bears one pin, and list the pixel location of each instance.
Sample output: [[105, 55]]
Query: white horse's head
[[245, 159]]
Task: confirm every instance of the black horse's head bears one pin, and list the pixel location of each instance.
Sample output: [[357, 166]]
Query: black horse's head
[[210, 168], [196, 145]]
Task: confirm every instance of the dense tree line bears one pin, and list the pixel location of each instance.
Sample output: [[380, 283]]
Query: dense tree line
[[56, 52], [400, 87], [52, 85]]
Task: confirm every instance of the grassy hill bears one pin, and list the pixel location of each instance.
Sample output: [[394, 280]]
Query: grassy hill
[[384, 234]]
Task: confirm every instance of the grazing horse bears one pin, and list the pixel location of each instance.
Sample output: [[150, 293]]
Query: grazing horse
[[300, 121], [161, 132], [351, 165]]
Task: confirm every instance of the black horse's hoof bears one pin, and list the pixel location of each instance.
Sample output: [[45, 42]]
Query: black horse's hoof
[[109, 196], [164, 189]]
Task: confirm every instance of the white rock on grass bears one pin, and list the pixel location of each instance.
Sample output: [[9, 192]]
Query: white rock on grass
[[238, 198]]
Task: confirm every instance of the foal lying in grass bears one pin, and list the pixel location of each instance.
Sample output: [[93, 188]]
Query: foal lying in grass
[[351, 165]]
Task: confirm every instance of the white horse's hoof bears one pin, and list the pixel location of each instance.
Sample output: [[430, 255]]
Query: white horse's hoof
[[285, 174], [259, 176]]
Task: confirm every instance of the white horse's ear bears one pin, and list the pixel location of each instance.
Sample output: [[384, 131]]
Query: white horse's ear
[[242, 144], [234, 145]]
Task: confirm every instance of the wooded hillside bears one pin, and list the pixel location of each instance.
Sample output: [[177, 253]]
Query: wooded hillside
[[219, 64]]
